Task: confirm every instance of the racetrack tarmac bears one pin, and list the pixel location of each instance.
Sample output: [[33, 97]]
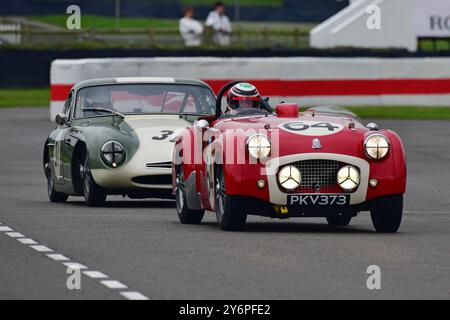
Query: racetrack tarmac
[[141, 244]]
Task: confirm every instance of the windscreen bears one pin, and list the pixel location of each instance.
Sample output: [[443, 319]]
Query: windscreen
[[144, 99]]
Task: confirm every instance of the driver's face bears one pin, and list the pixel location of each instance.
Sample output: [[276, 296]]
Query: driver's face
[[246, 103]]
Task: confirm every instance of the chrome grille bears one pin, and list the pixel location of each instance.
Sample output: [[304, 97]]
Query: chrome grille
[[318, 173]]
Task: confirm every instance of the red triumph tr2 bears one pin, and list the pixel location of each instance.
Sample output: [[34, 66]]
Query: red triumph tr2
[[252, 159]]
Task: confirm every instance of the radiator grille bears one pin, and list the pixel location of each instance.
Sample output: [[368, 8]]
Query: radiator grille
[[156, 180], [320, 173], [318, 176]]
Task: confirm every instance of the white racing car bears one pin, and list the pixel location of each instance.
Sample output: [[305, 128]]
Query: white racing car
[[113, 137]]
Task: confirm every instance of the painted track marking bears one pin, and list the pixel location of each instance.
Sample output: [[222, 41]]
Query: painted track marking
[[57, 257], [41, 248], [111, 284], [14, 235], [95, 274], [27, 241], [131, 295]]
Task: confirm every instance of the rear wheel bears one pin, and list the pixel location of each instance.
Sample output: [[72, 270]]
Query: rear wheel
[[93, 193], [387, 213], [229, 209], [53, 196], [186, 215], [339, 221]]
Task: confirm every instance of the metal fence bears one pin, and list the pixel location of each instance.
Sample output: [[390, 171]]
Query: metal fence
[[10, 32], [152, 37]]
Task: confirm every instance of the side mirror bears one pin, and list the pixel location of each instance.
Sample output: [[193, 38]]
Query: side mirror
[[373, 127], [61, 119], [287, 110]]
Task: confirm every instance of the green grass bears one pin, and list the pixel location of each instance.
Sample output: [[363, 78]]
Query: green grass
[[102, 22], [402, 112], [41, 98], [24, 97], [434, 45], [231, 3]]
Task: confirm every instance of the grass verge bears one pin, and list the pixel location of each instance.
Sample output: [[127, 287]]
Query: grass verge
[[402, 112], [103, 22], [39, 97]]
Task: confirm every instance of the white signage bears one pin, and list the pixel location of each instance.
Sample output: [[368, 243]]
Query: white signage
[[432, 18]]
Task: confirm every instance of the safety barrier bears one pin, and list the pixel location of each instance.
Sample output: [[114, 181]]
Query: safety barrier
[[308, 81]]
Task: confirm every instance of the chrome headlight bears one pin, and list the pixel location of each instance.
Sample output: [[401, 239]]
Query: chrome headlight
[[259, 146], [289, 177], [112, 153], [348, 178], [376, 146]]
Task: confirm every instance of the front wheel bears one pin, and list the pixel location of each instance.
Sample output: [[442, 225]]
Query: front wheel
[[229, 210], [53, 196], [93, 193], [387, 213], [186, 215]]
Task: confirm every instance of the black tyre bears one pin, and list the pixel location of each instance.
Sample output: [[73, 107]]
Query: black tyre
[[387, 213], [93, 193], [339, 221], [229, 209], [53, 196], [186, 215]]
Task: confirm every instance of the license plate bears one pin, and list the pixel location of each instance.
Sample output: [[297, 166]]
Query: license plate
[[318, 199]]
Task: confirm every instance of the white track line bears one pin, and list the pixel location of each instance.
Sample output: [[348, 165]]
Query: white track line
[[113, 284], [132, 295], [74, 265], [95, 274], [57, 257], [15, 235], [41, 248], [27, 241]]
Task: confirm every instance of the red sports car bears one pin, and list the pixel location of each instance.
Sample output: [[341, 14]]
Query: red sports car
[[282, 163]]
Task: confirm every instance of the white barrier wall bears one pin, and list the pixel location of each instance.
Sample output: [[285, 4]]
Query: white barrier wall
[[349, 27], [308, 81]]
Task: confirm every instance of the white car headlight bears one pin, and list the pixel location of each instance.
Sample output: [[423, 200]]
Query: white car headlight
[[290, 177], [259, 146], [376, 146], [112, 153], [348, 178]]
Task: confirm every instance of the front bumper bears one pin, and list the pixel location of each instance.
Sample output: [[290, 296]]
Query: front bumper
[[255, 206], [122, 177], [279, 197]]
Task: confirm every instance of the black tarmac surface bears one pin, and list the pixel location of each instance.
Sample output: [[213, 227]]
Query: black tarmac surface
[[142, 245]]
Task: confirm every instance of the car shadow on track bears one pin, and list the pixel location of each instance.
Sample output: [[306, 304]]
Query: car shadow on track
[[297, 227], [129, 204]]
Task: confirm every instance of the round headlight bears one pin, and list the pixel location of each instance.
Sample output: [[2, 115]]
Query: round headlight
[[112, 153], [376, 146], [259, 146], [348, 178], [290, 177]]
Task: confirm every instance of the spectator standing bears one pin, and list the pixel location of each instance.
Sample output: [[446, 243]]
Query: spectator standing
[[191, 30], [220, 24]]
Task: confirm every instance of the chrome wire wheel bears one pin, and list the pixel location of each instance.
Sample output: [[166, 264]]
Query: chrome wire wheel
[[179, 192], [186, 215], [221, 194]]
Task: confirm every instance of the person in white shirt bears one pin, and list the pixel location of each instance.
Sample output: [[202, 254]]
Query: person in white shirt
[[220, 24], [191, 30]]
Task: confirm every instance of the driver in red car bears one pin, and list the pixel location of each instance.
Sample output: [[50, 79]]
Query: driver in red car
[[243, 96]]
